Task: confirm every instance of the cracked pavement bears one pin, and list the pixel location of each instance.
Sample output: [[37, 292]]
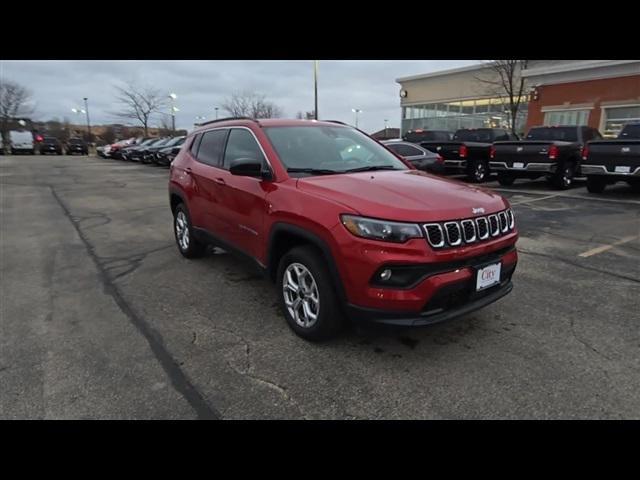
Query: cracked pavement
[[100, 317]]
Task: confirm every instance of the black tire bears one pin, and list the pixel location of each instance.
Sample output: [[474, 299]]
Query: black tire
[[635, 187], [478, 172], [329, 315], [192, 248], [563, 178], [506, 180], [596, 185]]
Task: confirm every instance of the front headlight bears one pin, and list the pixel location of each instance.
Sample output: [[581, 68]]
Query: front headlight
[[381, 229]]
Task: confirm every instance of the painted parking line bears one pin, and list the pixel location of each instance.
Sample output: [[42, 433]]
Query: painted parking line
[[535, 199], [565, 195], [604, 248]]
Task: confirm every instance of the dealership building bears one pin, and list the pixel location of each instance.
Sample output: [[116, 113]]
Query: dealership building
[[604, 94]]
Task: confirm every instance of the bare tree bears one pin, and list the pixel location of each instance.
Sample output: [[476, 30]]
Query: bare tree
[[165, 126], [251, 104], [503, 78], [14, 99], [140, 103]]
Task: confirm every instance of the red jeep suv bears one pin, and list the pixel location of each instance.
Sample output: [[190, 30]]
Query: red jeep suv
[[344, 227]]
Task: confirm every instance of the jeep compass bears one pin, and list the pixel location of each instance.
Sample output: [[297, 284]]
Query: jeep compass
[[344, 227]]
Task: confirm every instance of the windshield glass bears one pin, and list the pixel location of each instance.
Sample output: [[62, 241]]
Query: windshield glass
[[631, 131], [317, 150], [477, 135], [174, 141], [563, 134], [50, 140]]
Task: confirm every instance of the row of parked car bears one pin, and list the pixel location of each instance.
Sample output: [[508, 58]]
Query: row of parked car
[[159, 151], [24, 141], [559, 153]]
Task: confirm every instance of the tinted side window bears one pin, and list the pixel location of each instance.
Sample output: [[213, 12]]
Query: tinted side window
[[241, 144], [211, 147], [407, 150], [195, 144]]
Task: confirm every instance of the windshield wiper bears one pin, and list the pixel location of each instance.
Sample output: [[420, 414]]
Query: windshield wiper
[[319, 171], [371, 168]]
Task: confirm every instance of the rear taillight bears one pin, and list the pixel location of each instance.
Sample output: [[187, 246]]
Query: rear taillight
[[463, 151], [585, 152], [492, 152], [553, 152], [439, 159]]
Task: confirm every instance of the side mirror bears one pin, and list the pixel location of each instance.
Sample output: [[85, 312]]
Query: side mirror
[[248, 167]]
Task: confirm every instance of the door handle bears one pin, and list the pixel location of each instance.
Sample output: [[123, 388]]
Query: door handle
[[187, 170], [219, 181]]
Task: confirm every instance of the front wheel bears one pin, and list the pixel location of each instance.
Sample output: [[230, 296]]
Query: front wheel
[[596, 185], [188, 245], [307, 295]]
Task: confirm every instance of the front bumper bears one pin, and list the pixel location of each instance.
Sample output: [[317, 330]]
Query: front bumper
[[432, 316]]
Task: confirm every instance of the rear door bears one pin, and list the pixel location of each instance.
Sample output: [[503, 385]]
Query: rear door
[[205, 171]]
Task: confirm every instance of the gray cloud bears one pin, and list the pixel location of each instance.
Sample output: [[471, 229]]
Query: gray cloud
[[58, 86]]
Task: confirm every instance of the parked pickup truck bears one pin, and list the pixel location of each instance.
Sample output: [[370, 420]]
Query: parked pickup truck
[[554, 152], [468, 151], [609, 161]]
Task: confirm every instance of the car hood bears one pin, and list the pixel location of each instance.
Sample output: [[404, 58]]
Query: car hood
[[408, 195]]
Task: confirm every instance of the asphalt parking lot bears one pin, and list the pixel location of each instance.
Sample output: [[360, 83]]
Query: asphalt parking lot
[[102, 318]]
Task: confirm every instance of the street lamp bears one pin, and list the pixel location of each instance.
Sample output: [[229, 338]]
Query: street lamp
[[385, 129], [356, 111], [199, 117], [216, 112], [79, 111], [315, 89], [173, 97], [86, 110]]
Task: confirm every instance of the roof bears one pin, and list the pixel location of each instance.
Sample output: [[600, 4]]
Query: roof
[[440, 73], [266, 122]]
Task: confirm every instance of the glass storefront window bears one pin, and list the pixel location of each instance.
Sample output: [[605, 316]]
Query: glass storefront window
[[567, 117], [617, 117]]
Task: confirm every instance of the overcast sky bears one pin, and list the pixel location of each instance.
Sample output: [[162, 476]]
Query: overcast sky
[[58, 86]]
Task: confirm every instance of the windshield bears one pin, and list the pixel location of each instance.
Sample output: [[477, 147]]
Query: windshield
[[317, 150], [477, 135], [174, 141], [564, 134], [50, 140], [631, 131]]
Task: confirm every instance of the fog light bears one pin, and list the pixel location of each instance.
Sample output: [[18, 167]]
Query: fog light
[[385, 274]]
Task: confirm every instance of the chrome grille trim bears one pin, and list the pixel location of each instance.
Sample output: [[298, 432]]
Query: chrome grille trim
[[494, 232], [482, 221], [464, 230], [439, 227], [446, 227], [504, 223], [512, 219]]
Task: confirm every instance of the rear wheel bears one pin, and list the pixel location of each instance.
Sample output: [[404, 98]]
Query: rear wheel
[[635, 187], [563, 178], [596, 185], [478, 172], [188, 245], [506, 180], [307, 295]]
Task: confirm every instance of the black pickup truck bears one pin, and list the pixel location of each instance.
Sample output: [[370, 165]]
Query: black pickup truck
[[468, 151], [605, 162], [553, 152]]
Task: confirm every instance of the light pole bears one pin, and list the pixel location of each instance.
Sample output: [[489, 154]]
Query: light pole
[[315, 89], [79, 111], [385, 129], [86, 110], [216, 112], [173, 97], [356, 111]]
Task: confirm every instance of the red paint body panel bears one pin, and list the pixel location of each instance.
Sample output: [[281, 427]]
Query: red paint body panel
[[243, 210]]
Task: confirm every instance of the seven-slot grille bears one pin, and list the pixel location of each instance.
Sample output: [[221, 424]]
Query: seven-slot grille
[[470, 230]]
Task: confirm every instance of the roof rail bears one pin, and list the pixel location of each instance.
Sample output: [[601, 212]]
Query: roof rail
[[335, 121], [227, 119]]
